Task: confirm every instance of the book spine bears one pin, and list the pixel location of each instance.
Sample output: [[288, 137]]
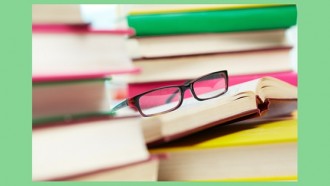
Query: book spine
[[214, 21], [137, 88]]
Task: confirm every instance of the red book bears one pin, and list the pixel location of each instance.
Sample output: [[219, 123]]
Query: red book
[[76, 28]]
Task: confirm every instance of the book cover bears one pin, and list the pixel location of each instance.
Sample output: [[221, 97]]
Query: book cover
[[214, 21], [70, 100], [236, 135], [264, 151], [175, 8]]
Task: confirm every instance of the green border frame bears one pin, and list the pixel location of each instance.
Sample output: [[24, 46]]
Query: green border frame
[[16, 109]]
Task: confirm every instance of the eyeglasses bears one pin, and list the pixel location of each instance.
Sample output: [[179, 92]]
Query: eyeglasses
[[169, 98]]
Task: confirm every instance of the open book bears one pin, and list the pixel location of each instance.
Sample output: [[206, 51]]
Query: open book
[[266, 97]]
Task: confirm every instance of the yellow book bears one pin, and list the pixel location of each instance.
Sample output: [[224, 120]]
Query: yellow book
[[237, 152], [165, 8], [265, 179]]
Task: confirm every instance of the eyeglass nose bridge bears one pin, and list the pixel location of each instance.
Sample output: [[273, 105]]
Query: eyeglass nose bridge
[[186, 86]]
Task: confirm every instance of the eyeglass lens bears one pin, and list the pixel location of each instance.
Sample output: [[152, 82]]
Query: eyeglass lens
[[158, 101], [210, 86]]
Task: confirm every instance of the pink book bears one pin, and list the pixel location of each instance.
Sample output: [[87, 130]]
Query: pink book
[[76, 28], [69, 77], [137, 88], [71, 52]]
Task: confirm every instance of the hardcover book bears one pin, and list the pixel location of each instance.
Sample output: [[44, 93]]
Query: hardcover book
[[61, 52], [67, 100], [264, 151], [237, 64], [185, 45], [68, 150], [259, 18], [57, 14]]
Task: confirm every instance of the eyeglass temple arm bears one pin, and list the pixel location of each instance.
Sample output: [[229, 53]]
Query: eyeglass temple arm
[[120, 106]]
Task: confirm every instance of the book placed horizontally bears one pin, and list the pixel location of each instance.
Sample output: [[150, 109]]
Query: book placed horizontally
[[250, 41], [181, 45], [264, 98], [78, 52], [187, 67], [203, 19], [71, 99], [57, 14], [71, 69], [93, 150], [264, 151]]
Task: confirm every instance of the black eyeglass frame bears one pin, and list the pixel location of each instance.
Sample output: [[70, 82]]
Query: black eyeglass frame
[[133, 102]]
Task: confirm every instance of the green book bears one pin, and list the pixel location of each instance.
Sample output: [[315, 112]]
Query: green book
[[70, 100], [214, 21]]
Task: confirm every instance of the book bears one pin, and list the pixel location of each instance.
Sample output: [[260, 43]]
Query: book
[[63, 151], [75, 52], [265, 97], [263, 18], [138, 88], [189, 67], [66, 100], [175, 8], [236, 152], [141, 171], [57, 14], [181, 45]]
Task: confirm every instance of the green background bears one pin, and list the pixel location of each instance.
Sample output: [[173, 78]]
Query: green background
[[16, 108]]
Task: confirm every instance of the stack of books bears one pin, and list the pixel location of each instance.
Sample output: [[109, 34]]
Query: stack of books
[[175, 43], [72, 64], [92, 150], [247, 134], [74, 136]]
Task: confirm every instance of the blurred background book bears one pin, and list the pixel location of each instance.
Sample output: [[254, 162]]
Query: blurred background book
[[87, 58], [57, 14], [74, 136]]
